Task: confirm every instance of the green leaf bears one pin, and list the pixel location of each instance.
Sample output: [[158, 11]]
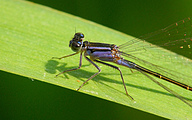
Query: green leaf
[[31, 34]]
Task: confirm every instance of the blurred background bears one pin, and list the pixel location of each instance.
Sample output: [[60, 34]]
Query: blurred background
[[32, 99]]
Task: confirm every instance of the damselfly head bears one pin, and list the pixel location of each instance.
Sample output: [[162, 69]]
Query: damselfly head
[[77, 42]]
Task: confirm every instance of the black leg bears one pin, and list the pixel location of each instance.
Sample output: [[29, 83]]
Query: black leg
[[80, 63], [120, 74], [92, 75], [65, 56]]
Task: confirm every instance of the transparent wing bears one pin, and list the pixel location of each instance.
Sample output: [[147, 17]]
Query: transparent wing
[[169, 64], [178, 72], [175, 36]]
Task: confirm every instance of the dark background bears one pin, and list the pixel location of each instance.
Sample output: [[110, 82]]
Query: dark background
[[23, 98]]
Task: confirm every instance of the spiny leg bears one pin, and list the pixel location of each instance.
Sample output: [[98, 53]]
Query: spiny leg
[[65, 56], [131, 70], [80, 63], [92, 75], [120, 74]]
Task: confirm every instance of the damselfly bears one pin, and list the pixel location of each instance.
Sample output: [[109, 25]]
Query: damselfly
[[102, 53]]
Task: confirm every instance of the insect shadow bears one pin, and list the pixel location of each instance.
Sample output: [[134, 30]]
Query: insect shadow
[[52, 66]]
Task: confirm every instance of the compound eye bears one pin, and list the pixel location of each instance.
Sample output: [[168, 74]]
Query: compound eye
[[75, 46], [70, 43], [82, 35], [79, 35]]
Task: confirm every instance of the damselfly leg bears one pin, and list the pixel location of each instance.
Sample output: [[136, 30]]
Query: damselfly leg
[[80, 63]]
